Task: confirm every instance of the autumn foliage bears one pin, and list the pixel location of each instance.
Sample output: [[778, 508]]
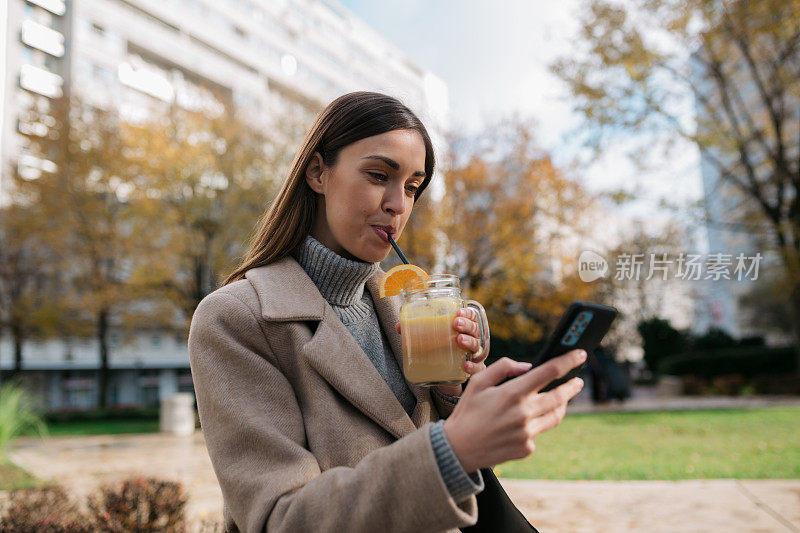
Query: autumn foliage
[[509, 225]]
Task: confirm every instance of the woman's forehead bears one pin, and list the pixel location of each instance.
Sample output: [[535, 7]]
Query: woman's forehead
[[398, 142]]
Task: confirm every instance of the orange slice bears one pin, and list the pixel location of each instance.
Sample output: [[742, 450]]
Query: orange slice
[[396, 278]]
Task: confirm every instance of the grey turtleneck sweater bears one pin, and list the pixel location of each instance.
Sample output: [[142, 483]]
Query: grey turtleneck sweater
[[342, 283]]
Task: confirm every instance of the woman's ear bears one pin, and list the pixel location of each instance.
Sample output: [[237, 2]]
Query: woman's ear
[[315, 174]]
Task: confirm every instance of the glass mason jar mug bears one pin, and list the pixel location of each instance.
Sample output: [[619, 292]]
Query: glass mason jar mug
[[431, 355]]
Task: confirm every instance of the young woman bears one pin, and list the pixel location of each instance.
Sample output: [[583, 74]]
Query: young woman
[[308, 420]]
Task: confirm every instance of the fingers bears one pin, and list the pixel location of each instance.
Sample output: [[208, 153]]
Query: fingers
[[556, 398], [467, 325], [468, 312], [540, 376], [497, 372], [551, 407], [469, 331], [469, 344], [471, 367], [548, 421]]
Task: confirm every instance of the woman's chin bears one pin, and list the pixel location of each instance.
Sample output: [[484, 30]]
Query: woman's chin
[[372, 254]]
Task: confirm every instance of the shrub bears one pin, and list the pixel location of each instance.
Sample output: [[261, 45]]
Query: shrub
[[139, 413], [713, 339], [137, 504], [694, 386], [661, 341], [43, 510], [17, 414], [140, 504], [756, 340], [786, 384], [748, 361], [729, 385]]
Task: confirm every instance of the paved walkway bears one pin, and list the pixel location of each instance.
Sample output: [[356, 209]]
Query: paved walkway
[[82, 463], [643, 401]]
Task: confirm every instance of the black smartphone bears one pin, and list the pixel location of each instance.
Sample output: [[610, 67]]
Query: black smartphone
[[582, 326]]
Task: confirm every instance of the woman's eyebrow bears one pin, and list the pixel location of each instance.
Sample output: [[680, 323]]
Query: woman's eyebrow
[[392, 163]]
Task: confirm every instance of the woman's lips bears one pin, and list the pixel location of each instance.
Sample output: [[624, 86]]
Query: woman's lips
[[382, 233]]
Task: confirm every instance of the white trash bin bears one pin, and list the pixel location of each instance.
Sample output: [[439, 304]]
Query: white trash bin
[[176, 415]]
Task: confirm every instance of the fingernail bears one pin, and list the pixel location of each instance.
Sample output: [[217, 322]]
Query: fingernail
[[579, 382], [582, 355], [524, 366]]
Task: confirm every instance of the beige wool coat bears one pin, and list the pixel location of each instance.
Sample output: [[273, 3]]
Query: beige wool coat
[[302, 431]]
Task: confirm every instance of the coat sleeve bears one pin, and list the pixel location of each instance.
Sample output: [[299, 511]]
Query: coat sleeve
[[254, 432], [443, 403]]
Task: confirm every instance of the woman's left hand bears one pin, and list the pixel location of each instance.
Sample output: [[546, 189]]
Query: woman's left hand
[[469, 338]]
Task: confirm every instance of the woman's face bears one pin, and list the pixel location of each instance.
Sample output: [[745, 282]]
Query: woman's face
[[368, 193]]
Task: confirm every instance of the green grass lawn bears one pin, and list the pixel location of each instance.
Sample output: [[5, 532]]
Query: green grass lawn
[[100, 427], [754, 444]]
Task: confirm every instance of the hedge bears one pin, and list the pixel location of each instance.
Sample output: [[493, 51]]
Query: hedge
[[136, 413], [747, 361]]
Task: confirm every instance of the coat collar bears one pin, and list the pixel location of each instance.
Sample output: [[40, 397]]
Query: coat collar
[[287, 294]]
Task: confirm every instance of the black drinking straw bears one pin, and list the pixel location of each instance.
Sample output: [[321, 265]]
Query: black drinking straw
[[397, 249]]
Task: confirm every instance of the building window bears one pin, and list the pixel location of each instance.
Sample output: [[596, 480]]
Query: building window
[[51, 63], [83, 68], [80, 389], [148, 386], [103, 75], [184, 378], [26, 55]]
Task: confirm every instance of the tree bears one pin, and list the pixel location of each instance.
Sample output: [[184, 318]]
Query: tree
[[202, 181], [661, 340], [140, 219], [90, 220], [502, 227], [422, 240], [643, 292], [736, 63], [30, 303]]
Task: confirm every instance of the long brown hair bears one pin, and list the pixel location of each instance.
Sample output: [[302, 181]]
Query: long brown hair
[[348, 119]]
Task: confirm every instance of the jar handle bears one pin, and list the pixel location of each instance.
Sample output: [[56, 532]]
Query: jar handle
[[483, 327]]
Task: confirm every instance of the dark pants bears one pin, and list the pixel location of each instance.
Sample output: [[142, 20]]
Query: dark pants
[[496, 511]]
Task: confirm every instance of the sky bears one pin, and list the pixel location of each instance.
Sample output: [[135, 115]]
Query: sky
[[495, 57]]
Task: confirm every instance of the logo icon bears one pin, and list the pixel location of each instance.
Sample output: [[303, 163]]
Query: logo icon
[[591, 266]]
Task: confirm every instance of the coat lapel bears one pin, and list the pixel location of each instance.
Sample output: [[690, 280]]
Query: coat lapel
[[332, 350], [388, 314]]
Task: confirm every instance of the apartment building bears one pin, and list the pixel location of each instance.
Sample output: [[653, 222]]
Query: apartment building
[[266, 56]]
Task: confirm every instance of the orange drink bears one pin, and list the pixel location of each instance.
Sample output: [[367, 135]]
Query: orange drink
[[431, 355]]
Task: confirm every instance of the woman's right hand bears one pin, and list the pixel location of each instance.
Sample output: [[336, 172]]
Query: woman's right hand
[[492, 424]]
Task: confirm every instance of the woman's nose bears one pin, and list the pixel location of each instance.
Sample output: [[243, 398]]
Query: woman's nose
[[394, 200]]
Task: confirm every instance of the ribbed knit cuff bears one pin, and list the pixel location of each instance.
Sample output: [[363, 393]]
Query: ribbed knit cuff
[[446, 397], [460, 484]]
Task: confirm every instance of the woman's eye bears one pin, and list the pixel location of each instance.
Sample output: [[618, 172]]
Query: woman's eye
[[412, 189], [378, 176]]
